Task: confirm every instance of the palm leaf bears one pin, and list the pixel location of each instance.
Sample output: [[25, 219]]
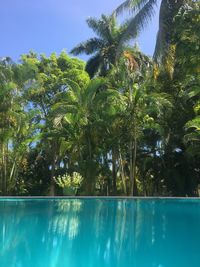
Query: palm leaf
[[130, 5], [168, 10], [88, 47], [93, 65], [136, 24], [93, 88], [194, 124], [102, 27]]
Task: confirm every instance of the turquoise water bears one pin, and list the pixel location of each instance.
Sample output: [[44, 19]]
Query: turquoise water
[[99, 233]]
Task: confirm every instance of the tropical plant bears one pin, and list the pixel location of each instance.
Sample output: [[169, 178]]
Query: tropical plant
[[104, 47], [142, 11], [44, 89], [78, 113], [16, 129], [69, 183]]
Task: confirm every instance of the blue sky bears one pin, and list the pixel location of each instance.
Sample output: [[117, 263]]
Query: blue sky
[[46, 26]]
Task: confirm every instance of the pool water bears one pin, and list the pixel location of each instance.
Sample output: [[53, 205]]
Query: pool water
[[99, 233]]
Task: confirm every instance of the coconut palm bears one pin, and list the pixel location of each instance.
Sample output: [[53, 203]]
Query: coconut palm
[[142, 12], [104, 47]]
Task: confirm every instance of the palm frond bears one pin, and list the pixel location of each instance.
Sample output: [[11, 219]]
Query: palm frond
[[136, 24], [195, 91], [103, 27], [97, 25], [89, 47], [130, 5], [93, 88], [195, 124], [93, 65], [168, 10], [75, 89], [60, 112]]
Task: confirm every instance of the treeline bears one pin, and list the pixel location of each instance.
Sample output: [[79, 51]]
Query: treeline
[[121, 124]]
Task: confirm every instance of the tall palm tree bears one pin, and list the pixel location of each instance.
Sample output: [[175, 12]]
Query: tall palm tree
[[104, 47], [142, 12]]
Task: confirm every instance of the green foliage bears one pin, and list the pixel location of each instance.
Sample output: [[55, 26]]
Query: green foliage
[[134, 129], [69, 183], [103, 48], [142, 12]]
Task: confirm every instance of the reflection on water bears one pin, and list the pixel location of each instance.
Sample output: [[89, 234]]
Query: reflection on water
[[99, 233], [63, 224]]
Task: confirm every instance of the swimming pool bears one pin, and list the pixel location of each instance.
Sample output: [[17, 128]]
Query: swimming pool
[[99, 233]]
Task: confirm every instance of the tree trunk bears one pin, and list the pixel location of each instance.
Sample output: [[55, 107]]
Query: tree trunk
[[53, 168], [4, 171], [52, 185], [134, 185], [131, 157], [114, 171], [90, 166], [122, 173]]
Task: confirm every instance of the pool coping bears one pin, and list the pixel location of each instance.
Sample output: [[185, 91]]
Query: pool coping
[[95, 197]]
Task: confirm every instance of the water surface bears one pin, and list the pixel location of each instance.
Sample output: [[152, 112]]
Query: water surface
[[99, 233]]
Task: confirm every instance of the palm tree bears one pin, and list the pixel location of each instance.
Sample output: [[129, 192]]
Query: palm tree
[[143, 11], [79, 114], [141, 109], [104, 47]]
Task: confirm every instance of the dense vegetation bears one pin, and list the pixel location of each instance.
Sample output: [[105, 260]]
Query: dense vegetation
[[121, 124]]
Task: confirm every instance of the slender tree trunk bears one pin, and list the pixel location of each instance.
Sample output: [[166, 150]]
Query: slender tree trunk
[[12, 171], [114, 171], [4, 172], [134, 185], [12, 175], [52, 183], [122, 172], [1, 170], [131, 156], [90, 172], [133, 145], [53, 168]]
